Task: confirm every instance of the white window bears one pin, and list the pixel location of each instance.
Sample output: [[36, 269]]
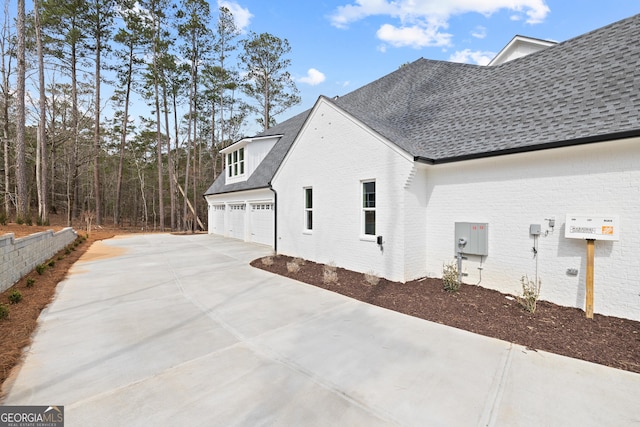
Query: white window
[[308, 209], [235, 163], [369, 208]]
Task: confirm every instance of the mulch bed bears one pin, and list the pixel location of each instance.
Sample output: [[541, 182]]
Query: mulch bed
[[607, 340]]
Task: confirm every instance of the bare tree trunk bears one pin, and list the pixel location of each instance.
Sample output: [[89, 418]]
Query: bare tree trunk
[[41, 157], [6, 71], [123, 140], [158, 140], [172, 185], [96, 135], [73, 189], [21, 173]]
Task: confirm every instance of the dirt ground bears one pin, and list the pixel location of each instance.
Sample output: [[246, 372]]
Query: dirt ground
[[606, 340]]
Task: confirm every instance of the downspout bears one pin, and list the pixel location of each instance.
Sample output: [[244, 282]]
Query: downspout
[[275, 218]]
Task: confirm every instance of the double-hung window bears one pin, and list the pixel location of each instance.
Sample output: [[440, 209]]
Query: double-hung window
[[369, 208], [308, 209], [235, 163]]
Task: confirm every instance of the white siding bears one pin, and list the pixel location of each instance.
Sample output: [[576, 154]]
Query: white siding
[[334, 154], [512, 192]]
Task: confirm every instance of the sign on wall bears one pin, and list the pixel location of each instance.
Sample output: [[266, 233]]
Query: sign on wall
[[596, 227]]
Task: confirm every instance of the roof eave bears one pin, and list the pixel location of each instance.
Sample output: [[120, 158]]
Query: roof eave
[[537, 147]]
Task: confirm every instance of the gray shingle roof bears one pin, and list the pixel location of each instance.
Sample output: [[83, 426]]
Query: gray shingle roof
[[581, 90]]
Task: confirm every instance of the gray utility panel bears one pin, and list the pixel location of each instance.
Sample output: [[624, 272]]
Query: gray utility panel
[[472, 238]]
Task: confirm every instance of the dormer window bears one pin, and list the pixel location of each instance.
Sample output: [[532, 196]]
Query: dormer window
[[235, 163]]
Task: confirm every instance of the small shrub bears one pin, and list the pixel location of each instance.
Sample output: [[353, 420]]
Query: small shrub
[[530, 294], [19, 220], [3, 218], [450, 277], [268, 261], [4, 311], [330, 273], [40, 268], [29, 221], [51, 263], [30, 282], [60, 257], [15, 296], [293, 267], [371, 278], [67, 251]]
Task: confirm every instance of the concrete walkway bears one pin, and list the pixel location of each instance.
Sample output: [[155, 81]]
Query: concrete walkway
[[159, 330]]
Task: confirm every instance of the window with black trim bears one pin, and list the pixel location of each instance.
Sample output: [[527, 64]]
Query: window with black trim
[[369, 208], [308, 208], [235, 163]]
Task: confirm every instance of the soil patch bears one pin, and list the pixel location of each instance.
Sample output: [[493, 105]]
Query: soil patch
[[607, 340], [99, 250]]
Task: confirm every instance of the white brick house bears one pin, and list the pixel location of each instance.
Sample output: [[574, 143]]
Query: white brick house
[[376, 180]]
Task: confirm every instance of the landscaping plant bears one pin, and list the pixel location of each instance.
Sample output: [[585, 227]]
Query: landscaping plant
[[450, 277], [530, 294], [330, 273], [293, 267], [15, 296], [371, 278]]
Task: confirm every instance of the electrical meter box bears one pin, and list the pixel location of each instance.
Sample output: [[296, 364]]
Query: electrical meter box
[[472, 238]]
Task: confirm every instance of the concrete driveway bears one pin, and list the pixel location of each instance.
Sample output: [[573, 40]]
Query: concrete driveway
[[180, 330]]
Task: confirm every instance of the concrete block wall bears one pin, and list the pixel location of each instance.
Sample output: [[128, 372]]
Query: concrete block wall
[[19, 256]]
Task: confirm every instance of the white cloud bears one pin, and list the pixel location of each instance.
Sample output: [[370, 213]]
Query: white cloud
[[416, 36], [241, 15], [313, 77], [420, 22], [469, 56], [479, 32]]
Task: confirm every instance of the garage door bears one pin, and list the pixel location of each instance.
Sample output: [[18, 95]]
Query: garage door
[[216, 219], [261, 223], [236, 221]]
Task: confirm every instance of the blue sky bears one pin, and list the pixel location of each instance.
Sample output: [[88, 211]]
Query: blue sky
[[340, 45]]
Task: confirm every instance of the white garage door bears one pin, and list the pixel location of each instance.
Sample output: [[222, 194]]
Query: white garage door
[[261, 223], [216, 219], [236, 221]]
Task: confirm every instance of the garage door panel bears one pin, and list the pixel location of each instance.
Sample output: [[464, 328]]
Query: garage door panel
[[216, 219], [261, 223], [236, 221]]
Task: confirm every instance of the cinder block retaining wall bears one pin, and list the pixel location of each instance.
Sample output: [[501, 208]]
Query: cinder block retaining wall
[[20, 256]]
